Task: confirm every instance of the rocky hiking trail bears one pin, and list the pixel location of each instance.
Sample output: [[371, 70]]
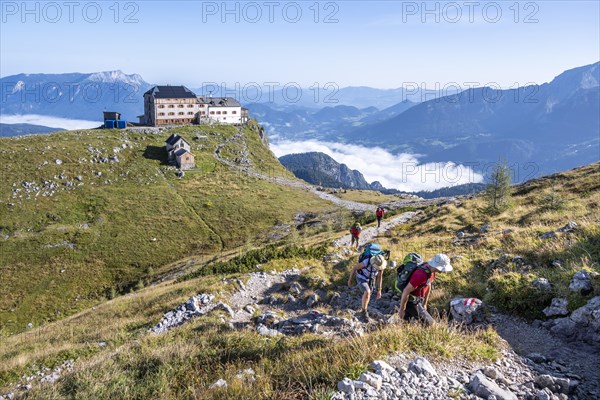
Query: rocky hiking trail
[[534, 363]]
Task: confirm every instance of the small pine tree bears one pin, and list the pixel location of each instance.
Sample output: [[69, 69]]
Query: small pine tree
[[498, 189], [552, 200]]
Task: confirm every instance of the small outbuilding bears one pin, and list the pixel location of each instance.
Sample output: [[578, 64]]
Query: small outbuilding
[[184, 159]]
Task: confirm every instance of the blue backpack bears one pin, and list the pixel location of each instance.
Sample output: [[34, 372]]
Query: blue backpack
[[370, 250]]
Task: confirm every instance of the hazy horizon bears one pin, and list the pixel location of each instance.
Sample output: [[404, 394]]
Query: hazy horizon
[[378, 44]]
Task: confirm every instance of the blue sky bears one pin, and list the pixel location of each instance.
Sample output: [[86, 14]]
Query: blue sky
[[377, 43]]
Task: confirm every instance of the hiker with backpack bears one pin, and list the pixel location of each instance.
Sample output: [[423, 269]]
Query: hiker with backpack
[[414, 281], [355, 234], [379, 214], [369, 273]]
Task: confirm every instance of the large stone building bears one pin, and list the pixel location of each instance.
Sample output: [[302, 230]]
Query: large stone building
[[169, 105], [177, 105]]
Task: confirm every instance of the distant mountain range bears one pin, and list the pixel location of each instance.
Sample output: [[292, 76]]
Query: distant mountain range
[[74, 95], [320, 169], [329, 123], [555, 125], [24, 129], [546, 128]]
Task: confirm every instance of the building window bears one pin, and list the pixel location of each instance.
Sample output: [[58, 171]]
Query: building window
[[171, 106], [161, 113], [190, 113], [180, 113], [161, 106], [180, 106], [224, 112], [190, 105], [234, 112], [171, 113], [218, 112], [212, 113]]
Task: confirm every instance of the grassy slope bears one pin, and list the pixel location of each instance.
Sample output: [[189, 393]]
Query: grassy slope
[[132, 203], [184, 362], [510, 287], [367, 196]]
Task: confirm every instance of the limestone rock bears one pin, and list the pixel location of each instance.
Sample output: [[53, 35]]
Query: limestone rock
[[421, 366], [581, 282], [484, 387], [542, 284], [558, 307]]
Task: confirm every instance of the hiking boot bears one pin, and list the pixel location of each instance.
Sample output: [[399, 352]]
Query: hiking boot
[[365, 315]]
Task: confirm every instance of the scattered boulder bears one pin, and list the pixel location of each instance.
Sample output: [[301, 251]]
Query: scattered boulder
[[372, 379], [226, 308], [548, 235], [58, 162], [421, 366], [542, 284], [582, 325], [558, 307], [484, 387], [485, 228], [268, 318], [346, 385], [312, 300], [581, 282], [264, 331], [467, 310], [295, 288], [193, 307], [221, 383], [570, 226], [537, 358]]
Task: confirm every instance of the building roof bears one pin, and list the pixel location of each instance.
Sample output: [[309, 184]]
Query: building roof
[[173, 139], [219, 101], [171, 92], [181, 152]]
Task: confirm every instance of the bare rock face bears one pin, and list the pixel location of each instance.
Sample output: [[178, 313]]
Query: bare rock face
[[557, 308], [583, 324]]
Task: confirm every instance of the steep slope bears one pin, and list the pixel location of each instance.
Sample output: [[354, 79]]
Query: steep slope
[[320, 169], [297, 357], [240, 358], [91, 214]]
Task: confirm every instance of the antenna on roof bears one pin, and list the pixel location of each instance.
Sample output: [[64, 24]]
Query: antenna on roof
[[210, 94]]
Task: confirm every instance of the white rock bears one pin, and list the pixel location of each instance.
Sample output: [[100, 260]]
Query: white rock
[[372, 379], [346, 385], [221, 383], [421, 366]]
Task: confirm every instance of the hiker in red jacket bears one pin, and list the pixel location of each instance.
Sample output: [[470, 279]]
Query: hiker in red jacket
[[413, 303], [379, 213], [355, 233]]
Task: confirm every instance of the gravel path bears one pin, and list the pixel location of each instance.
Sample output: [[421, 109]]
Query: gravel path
[[369, 233], [570, 358]]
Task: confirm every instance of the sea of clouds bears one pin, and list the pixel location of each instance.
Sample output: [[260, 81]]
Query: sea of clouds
[[394, 171], [52, 122]]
